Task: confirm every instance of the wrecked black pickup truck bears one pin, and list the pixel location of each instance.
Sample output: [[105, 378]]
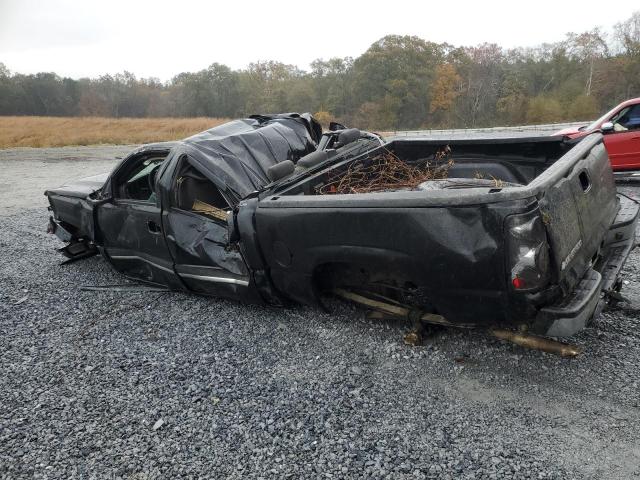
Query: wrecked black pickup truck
[[524, 233]]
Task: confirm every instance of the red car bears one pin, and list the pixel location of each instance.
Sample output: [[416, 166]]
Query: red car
[[621, 129]]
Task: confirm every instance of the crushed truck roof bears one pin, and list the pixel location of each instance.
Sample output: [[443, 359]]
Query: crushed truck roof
[[237, 155]]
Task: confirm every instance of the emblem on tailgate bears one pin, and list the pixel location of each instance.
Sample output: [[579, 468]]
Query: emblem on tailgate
[[572, 254]]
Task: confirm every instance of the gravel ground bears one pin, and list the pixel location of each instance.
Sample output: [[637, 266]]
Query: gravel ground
[[42, 168], [163, 385]]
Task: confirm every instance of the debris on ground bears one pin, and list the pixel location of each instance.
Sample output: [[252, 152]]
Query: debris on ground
[[22, 300], [158, 424]]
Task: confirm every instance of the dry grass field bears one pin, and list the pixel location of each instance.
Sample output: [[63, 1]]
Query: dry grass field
[[61, 131]]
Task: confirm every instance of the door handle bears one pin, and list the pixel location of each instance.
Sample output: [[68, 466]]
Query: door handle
[[153, 227]]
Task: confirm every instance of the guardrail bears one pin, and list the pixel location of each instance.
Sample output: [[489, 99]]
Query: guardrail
[[521, 130]]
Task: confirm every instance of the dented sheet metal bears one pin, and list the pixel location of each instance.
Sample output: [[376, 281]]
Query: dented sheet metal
[[448, 254], [195, 238]]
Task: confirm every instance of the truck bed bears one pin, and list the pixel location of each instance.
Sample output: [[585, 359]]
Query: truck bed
[[445, 248]]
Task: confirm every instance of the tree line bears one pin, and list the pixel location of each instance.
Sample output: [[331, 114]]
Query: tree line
[[400, 82]]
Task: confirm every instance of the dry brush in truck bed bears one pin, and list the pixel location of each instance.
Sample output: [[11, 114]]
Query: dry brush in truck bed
[[385, 171]]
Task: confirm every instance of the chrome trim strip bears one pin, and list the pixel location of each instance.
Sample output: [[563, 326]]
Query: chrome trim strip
[[135, 257], [179, 266], [207, 278]]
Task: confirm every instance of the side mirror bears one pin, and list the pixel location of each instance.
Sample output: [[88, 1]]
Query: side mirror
[[606, 127]]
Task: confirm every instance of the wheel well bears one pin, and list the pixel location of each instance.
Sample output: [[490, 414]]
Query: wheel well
[[372, 278], [379, 278]]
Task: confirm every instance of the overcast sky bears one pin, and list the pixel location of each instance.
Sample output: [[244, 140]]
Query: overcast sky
[[160, 38]]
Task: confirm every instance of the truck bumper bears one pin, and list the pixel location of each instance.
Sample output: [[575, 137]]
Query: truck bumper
[[56, 228], [574, 312]]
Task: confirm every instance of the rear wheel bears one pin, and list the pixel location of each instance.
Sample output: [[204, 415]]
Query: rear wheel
[[386, 285]]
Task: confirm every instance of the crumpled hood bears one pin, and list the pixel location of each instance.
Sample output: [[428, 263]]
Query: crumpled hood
[[82, 187]]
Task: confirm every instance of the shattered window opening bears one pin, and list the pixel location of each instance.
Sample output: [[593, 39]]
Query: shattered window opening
[[195, 193], [139, 182]]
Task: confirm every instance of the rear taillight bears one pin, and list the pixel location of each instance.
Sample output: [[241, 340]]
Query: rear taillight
[[528, 252]]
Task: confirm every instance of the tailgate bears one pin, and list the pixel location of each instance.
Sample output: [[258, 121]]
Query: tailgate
[[578, 208]]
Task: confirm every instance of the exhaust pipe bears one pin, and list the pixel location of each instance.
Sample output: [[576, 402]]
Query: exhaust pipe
[[537, 343]]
